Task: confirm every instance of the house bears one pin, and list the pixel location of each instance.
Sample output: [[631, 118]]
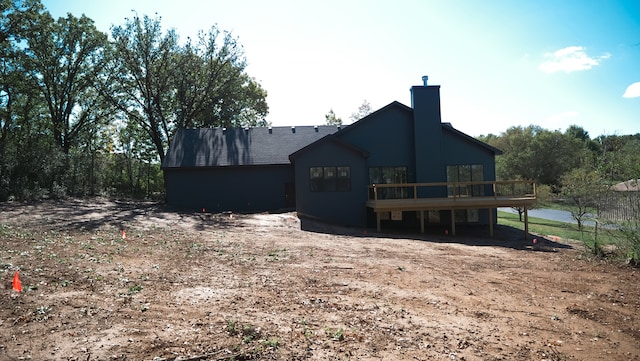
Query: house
[[237, 169], [398, 166]]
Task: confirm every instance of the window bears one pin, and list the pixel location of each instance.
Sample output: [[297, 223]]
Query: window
[[330, 179], [316, 179], [344, 179], [466, 173], [389, 175]]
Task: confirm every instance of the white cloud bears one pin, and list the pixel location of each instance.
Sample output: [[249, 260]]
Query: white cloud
[[571, 58], [633, 91]]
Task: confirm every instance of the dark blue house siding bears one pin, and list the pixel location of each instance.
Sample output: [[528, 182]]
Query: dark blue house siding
[[388, 137], [344, 208], [425, 101], [267, 169], [239, 189], [460, 149]]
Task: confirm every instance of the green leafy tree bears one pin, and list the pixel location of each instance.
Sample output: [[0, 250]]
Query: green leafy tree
[[14, 28], [162, 86], [554, 154], [332, 119], [583, 189], [135, 167], [630, 154], [65, 62], [591, 147], [619, 159], [26, 156], [140, 76], [536, 153], [212, 88], [610, 162]]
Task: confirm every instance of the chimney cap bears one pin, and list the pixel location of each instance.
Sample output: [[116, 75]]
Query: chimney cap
[[425, 80]]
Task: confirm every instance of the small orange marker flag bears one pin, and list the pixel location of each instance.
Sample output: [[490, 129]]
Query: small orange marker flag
[[124, 234], [16, 283]]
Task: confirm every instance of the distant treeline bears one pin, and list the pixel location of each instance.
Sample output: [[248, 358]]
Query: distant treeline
[[547, 155]]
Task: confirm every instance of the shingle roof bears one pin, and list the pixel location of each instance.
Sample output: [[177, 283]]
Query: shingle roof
[[632, 185], [214, 147]]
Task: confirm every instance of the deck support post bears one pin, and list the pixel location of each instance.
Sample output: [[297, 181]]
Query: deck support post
[[491, 222], [526, 223], [378, 221], [453, 222], [422, 221]]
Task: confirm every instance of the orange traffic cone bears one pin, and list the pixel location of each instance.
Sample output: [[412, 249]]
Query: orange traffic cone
[[16, 283], [124, 234]]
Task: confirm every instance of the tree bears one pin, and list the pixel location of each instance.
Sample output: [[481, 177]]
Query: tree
[[577, 132], [630, 159], [363, 111], [15, 23], [212, 88], [543, 195], [619, 158], [140, 75], [536, 153], [27, 159], [583, 189], [331, 118], [162, 86], [553, 154], [64, 61]]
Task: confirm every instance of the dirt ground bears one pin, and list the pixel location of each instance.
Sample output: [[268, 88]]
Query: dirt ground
[[198, 286]]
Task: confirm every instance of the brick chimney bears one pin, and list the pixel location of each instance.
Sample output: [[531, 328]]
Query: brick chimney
[[425, 101]]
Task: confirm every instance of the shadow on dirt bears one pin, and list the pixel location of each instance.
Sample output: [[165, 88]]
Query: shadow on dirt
[[98, 213], [95, 213], [504, 236]]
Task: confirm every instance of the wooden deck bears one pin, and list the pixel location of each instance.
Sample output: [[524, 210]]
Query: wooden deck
[[459, 195]]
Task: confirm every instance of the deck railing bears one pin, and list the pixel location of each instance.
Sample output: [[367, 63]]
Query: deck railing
[[495, 189]]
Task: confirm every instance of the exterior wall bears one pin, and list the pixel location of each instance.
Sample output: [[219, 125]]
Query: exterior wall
[[394, 136], [239, 189], [388, 137], [425, 101], [343, 208], [458, 151]]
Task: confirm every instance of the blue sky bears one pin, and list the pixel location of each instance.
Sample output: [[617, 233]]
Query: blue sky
[[500, 63]]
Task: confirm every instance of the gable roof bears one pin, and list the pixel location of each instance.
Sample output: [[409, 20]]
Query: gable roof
[[450, 128], [445, 126], [365, 119], [216, 147], [331, 138]]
